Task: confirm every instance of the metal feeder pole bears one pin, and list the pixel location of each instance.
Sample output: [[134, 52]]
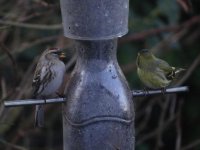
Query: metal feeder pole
[[98, 113]]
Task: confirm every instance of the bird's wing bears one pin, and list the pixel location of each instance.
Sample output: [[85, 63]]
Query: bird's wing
[[166, 68], [40, 79]]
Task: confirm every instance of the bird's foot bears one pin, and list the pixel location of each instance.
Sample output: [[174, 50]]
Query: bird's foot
[[146, 92], [45, 100], [60, 95], [163, 90]]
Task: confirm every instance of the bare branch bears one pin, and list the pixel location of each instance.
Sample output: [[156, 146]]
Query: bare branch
[[190, 70], [7, 51], [149, 33], [164, 106], [178, 128], [154, 132], [3, 88], [12, 145], [32, 44], [192, 145], [31, 26]]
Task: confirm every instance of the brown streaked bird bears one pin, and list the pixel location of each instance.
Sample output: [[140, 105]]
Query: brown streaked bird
[[48, 77]]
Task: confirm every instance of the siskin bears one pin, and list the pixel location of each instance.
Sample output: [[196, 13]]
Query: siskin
[[155, 73]]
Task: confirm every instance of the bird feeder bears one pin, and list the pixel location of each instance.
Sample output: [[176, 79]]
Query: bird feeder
[[94, 20], [98, 113]]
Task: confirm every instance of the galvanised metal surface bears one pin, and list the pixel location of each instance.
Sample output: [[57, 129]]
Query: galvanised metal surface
[[135, 93], [99, 112], [94, 19]]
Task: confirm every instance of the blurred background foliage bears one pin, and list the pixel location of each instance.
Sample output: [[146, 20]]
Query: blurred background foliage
[[169, 28]]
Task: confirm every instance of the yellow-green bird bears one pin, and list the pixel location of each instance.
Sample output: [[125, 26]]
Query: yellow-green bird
[[155, 73]]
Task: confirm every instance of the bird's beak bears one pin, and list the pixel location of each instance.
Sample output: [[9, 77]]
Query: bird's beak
[[62, 55]]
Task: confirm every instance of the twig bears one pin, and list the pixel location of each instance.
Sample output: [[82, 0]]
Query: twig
[[11, 58], [192, 145], [145, 120], [7, 51], [192, 36], [190, 70], [164, 106], [186, 5], [32, 26], [148, 104], [173, 38], [172, 107], [178, 128], [3, 89], [29, 17], [12, 145], [148, 33], [25, 84], [37, 42], [4, 27], [154, 132], [34, 43]]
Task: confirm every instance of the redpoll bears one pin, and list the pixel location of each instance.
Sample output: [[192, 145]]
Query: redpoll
[[47, 79]]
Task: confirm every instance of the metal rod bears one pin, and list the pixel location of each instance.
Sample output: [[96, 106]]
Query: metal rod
[[140, 93], [13, 103], [136, 93]]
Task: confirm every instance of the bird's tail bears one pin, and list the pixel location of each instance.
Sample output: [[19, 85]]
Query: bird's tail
[[39, 116], [178, 70], [174, 73]]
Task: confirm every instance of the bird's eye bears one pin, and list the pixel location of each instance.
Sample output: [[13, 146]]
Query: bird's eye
[[144, 51], [55, 54]]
